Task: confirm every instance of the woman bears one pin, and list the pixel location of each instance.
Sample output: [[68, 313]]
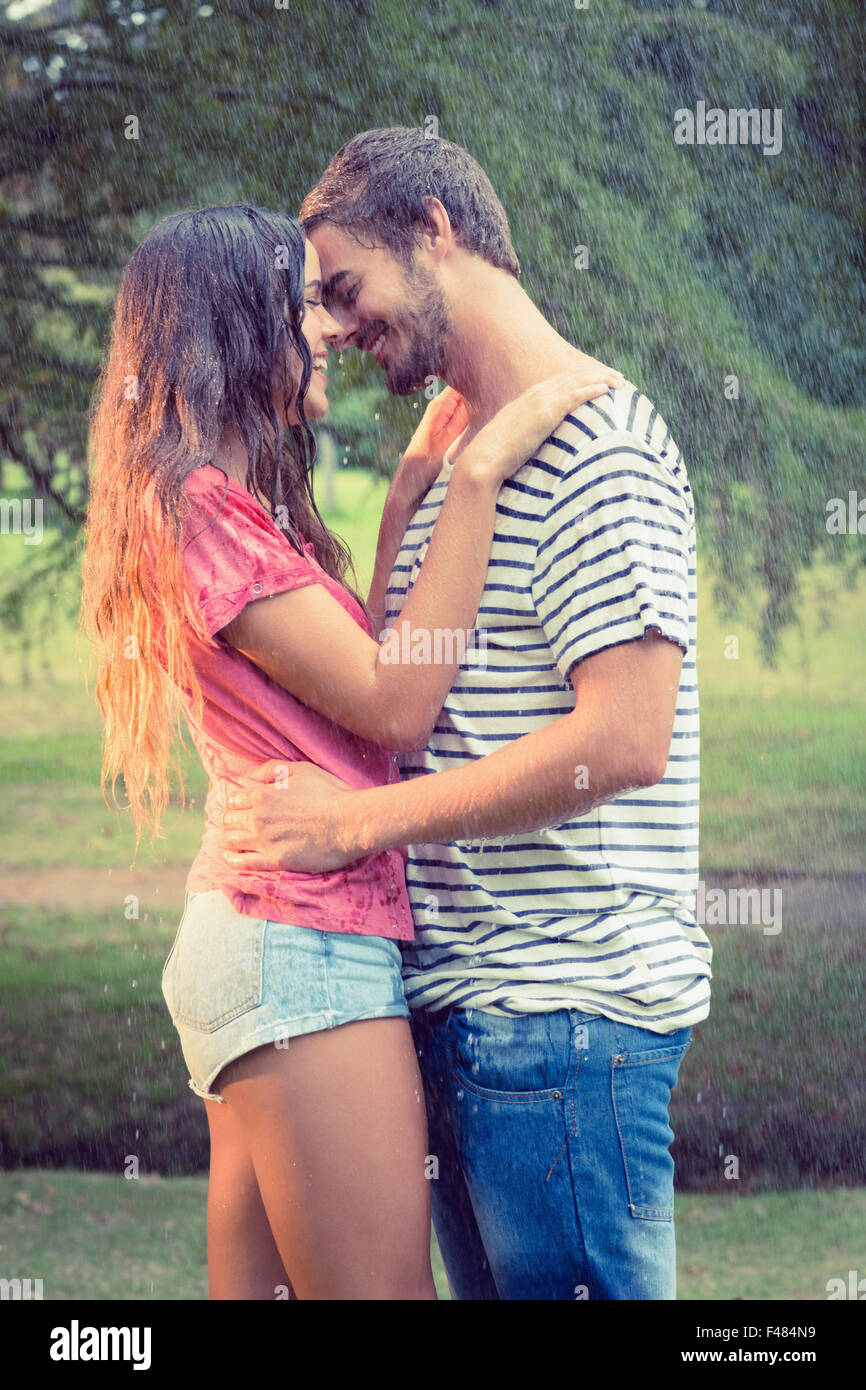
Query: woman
[[285, 987]]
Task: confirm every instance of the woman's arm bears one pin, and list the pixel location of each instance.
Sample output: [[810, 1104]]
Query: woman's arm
[[307, 642], [299, 817]]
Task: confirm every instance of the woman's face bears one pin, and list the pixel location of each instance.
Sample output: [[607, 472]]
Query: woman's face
[[317, 327]]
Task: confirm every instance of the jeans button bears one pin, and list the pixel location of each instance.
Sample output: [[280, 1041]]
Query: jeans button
[[557, 1095]]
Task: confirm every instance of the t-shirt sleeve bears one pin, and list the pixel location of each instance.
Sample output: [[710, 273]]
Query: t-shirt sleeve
[[234, 552], [614, 552]]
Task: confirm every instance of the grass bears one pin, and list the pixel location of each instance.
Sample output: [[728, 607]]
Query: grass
[[783, 760], [91, 1236], [93, 1066], [776, 1077], [782, 1245]]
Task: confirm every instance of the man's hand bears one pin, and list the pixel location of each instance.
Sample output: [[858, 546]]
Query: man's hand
[[288, 817]]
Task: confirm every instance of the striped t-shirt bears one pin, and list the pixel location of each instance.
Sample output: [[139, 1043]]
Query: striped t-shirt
[[594, 544]]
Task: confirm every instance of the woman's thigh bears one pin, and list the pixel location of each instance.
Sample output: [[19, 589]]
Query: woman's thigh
[[336, 1128]]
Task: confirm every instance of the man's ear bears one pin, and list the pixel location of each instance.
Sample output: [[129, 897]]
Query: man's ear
[[438, 236]]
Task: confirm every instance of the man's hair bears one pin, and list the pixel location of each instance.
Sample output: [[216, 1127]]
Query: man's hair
[[375, 185]]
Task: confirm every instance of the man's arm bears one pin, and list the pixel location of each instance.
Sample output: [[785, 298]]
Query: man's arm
[[616, 739]]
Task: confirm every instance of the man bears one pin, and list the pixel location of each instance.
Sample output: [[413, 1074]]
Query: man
[[558, 967]]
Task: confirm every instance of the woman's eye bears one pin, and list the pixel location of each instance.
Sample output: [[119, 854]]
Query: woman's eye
[[314, 303]]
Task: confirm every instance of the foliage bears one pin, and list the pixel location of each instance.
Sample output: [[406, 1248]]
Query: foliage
[[705, 262]]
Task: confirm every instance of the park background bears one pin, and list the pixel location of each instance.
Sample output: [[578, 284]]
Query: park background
[[728, 283]]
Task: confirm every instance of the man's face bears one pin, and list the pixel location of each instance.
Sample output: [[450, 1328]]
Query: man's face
[[397, 314]]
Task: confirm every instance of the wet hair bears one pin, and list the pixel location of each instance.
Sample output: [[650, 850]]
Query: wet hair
[[375, 185], [206, 335]]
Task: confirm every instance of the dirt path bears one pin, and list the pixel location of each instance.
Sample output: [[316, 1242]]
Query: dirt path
[[95, 890], [801, 899]]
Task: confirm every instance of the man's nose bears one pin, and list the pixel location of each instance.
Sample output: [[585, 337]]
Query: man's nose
[[340, 331], [337, 334]]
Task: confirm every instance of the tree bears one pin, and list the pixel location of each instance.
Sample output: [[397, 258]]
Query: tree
[[721, 278]]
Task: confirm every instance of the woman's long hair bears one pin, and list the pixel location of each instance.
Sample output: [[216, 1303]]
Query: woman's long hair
[[206, 334]]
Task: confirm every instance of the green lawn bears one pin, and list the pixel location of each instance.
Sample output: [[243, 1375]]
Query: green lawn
[[91, 1236], [783, 759]]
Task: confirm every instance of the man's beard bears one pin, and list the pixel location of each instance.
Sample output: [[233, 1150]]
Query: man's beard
[[424, 328]]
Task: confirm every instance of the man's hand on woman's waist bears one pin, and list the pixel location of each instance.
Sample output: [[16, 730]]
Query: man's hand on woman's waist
[[289, 816]]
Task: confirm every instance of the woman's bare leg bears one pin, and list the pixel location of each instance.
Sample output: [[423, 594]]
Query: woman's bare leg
[[242, 1260], [336, 1128]]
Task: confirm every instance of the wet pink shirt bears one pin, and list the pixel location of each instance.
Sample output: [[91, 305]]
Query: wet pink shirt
[[234, 553]]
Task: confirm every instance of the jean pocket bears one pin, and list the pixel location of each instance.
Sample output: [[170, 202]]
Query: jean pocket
[[216, 965], [186, 906], [522, 1059], [642, 1083]]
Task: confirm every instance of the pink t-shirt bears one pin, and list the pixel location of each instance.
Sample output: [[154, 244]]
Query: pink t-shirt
[[233, 553]]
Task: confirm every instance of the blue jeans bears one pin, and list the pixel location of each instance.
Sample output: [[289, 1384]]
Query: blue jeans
[[551, 1133]]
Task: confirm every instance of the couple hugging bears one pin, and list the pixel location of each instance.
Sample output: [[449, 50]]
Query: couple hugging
[[439, 945]]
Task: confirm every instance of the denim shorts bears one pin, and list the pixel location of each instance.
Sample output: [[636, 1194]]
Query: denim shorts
[[233, 983]]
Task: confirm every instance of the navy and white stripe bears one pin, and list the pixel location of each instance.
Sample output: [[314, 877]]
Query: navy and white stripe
[[594, 544]]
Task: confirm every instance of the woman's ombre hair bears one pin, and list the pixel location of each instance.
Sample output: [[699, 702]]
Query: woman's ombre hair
[[206, 335]]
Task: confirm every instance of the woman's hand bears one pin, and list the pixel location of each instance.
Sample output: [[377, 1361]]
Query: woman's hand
[[510, 438], [443, 421], [288, 817]]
